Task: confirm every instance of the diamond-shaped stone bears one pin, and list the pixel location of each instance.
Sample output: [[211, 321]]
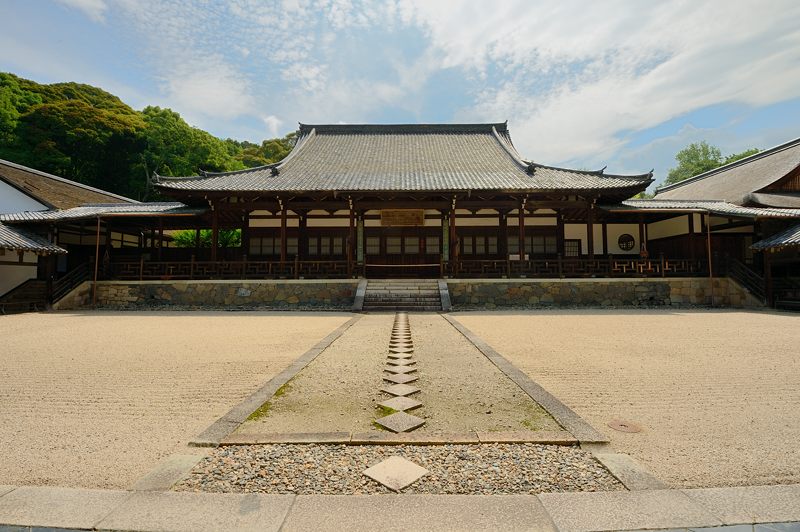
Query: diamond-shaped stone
[[400, 356], [401, 361], [400, 422], [400, 379], [400, 370], [401, 350], [400, 389], [401, 403]]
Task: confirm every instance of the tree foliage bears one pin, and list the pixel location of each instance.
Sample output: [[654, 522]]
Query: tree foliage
[[228, 238], [701, 157], [85, 134]]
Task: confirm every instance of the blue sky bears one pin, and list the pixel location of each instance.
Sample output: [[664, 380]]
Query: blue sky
[[623, 83]]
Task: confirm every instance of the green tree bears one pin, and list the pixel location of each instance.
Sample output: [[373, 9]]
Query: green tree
[[228, 238], [700, 157]]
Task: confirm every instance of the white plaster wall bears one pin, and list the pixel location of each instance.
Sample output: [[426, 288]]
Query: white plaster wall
[[14, 200], [615, 230], [12, 276], [597, 231], [666, 228], [269, 222], [577, 232], [513, 221]]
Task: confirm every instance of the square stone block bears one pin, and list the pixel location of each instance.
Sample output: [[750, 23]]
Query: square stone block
[[400, 379], [400, 422], [401, 361], [396, 473], [400, 356], [400, 389], [401, 350], [401, 403], [400, 370]]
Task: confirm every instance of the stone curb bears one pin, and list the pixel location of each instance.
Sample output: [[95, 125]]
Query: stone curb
[[565, 416], [372, 438], [167, 473], [225, 425], [70, 508], [361, 290]]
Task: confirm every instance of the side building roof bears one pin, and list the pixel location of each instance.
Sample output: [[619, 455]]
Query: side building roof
[[422, 157], [53, 191], [741, 182], [16, 239]]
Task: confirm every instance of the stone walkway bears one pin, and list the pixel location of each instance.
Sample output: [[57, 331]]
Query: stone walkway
[[726, 509]]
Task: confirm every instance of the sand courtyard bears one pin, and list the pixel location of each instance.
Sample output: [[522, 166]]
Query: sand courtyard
[[96, 399]]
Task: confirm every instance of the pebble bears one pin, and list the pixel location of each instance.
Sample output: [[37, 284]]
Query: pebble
[[488, 469]]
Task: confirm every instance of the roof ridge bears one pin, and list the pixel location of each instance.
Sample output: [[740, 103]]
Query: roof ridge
[[485, 128], [598, 173], [65, 180], [746, 160]]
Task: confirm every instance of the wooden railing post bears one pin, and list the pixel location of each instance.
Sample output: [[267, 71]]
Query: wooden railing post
[[560, 267], [141, 266], [661, 258], [296, 266], [191, 268]]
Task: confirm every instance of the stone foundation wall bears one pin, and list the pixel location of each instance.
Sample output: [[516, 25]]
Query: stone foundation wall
[[648, 292], [281, 294]]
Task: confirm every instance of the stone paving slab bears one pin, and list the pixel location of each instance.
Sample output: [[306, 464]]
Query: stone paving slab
[[543, 437], [401, 403], [750, 504], [396, 472], [168, 472], [58, 507], [400, 422], [630, 472], [401, 362], [626, 510], [400, 389], [400, 370], [192, 512], [400, 356], [391, 513], [297, 437], [366, 438], [400, 379]]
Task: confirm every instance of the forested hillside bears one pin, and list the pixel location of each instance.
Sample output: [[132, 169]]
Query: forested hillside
[[86, 134]]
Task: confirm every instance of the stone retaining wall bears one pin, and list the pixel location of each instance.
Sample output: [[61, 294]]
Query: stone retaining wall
[[283, 294], [646, 292]]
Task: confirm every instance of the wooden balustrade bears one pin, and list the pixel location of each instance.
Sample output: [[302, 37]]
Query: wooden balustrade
[[491, 268]]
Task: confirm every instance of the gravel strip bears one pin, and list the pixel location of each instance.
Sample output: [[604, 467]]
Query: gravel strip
[[454, 469]]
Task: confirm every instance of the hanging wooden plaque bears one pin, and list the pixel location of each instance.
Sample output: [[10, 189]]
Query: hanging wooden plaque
[[402, 217]]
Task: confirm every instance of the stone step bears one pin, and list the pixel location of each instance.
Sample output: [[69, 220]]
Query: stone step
[[379, 308]]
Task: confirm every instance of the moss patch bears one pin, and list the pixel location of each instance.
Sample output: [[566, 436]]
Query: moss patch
[[263, 410]]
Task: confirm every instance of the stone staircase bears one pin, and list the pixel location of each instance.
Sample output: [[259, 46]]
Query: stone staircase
[[415, 295]]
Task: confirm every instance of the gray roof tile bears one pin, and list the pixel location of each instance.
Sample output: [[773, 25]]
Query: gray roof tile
[[20, 240], [721, 208], [103, 209], [786, 238], [735, 182], [433, 157]]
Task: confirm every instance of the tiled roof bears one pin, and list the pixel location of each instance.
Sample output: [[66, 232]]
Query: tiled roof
[[789, 237], [721, 208], [105, 210], [19, 240], [432, 157], [775, 199], [735, 181], [55, 192]]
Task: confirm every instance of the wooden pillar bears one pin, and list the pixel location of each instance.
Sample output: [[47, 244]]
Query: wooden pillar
[[560, 234], [96, 262], [351, 237], [590, 231], [160, 237], [214, 232], [768, 278], [502, 237], [245, 248], [692, 251], [197, 241], [710, 264], [302, 234], [454, 251], [521, 220], [641, 234], [605, 238], [283, 233]]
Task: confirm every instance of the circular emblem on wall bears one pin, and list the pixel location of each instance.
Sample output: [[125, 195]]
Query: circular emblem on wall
[[626, 242]]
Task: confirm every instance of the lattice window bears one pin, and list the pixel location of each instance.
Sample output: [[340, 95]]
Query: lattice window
[[572, 248]]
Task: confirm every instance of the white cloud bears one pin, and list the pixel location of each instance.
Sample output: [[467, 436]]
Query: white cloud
[[612, 67], [94, 9], [273, 124]]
